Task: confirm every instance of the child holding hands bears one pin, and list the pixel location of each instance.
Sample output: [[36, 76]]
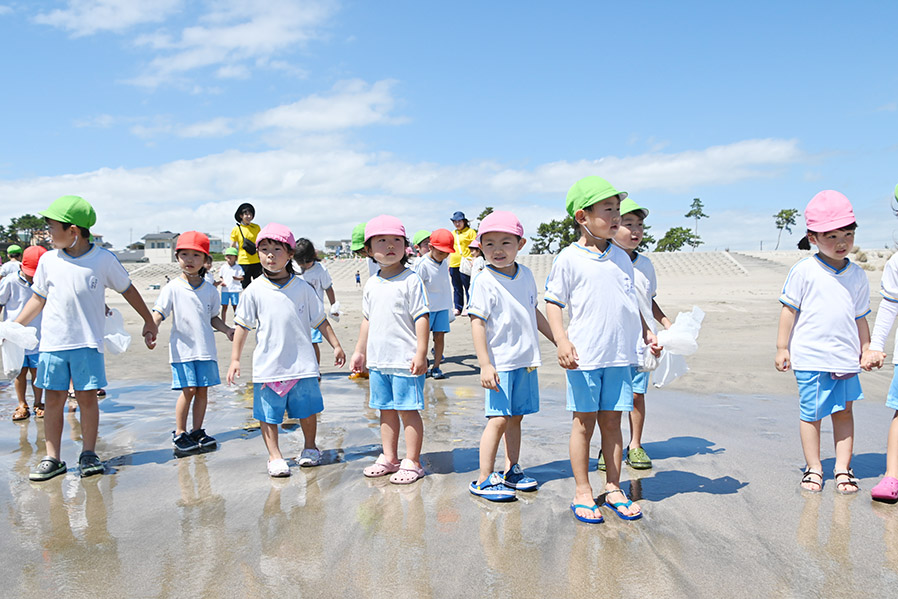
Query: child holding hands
[[433, 268], [393, 345], [822, 333], [505, 322]]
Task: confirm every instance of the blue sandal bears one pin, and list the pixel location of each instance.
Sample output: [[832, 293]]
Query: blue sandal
[[615, 506], [593, 508]]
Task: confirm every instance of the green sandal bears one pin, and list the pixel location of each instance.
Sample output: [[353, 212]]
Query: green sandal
[[638, 459]]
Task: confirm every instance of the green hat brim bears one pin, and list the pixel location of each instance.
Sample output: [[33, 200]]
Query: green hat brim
[[628, 206], [420, 236], [588, 191], [73, 210], [14, 249]]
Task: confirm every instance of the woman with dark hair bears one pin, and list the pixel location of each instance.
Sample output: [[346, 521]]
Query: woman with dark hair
[[460, 260], [243, 237]]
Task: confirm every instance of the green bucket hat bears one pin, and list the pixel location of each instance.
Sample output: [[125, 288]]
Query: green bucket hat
[[588, 191], [358, 237], [627, 206], [72, 210], [420, 236], [896, 192], [14, 249], [230, 252]]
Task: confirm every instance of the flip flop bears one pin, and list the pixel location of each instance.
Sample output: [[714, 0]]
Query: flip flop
[[886, 489], [407, 473], [380, 468], [593, 508], [616, 505]]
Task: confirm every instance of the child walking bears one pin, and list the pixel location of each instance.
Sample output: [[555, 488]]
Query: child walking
[[822, 334], [231, 276], [629, 236], [433, 268], [69, 288], [315, 274], [283, 309], [393, 345], [593, 278], [14, 253], [505, 322], [193, 305], [479, 262], [15, 291]]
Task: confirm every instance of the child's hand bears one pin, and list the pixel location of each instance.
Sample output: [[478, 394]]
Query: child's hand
[[357, 363], [567, 355], [872, 359], [783, 360], [233, 372], [489, 378], [419, 365], [651, 342], [339, 357], [150, 330], [230, 334]]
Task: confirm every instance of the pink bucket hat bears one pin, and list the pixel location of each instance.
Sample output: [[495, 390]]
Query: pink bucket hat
[[500, 222], [827, 211], [384, 225], [277, 232]]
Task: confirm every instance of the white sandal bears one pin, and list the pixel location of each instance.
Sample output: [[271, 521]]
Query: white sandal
[[278, 468]]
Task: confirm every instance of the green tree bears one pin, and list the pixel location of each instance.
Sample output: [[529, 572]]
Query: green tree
[[22, 228], [647, 239], [676, 238], [486, 212], [785, 218], [554, 236], [697, 213]]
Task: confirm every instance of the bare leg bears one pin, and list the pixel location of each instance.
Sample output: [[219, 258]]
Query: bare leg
[[439, 343], [582, 427], [843, 438], [38, 392], [21, 384], [513, 442], [200, 400], [389, 435], [224, 312], [309, 427], [810, 445], [182, 408], [892, 448], [637, 420], [53, 419], [90, 418], [414, 435], [612, 447], [270, 436], [489, 445]]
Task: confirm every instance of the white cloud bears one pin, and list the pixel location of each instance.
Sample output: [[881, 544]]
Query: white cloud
[[87, 17], [321, 193], [5, 10], [213, 128], [890, 107]]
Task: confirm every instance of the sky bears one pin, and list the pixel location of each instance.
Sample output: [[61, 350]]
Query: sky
[[167, 114]]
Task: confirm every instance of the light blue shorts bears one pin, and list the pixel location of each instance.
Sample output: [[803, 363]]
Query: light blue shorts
[[891, 399], [518, 394], [84, 367], [317, 337], [302, 401], [820, 395], [230, 298], [439, 321], [600, 390], [30, 361], [640, 380], [395, 392], [198, 373]]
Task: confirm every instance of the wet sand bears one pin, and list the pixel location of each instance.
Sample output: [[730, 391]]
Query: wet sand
[[723, 512]]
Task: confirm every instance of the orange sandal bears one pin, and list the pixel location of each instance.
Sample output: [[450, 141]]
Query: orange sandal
[[21, 413]]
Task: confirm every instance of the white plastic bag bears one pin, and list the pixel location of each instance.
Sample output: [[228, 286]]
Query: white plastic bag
[[14, 340], [670, 368], [680, 340], [116, 339], [335, 313]]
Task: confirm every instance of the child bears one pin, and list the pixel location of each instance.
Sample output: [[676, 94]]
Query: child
[[822, 333], [15, 291], [193, 304], [594, 279], [420, 247], [433, 268], [628, 237], [357, 246], [504, 324], [358, 279], [69, 287], [14, 253], [231, 276], [479, 263], [284, 309], [315, 274], [208, 276], [393, 344]]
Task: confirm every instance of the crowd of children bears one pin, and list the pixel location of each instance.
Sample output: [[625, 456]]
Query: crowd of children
[[607, 287]]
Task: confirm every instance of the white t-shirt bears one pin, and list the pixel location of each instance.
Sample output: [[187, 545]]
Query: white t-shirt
[[373, 267], [597, 288], [646, 285], [14, 294], [437, 282], [888, 308], [284, 318], [318, 278], [227, 274], [478, 265], [192, 336], [10, 268], [829, 303], [508, 305], [391, 307], [75, 289]]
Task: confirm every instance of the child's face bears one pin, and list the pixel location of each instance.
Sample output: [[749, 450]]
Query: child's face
[[62, 238], [424, 247], [273, 255], [500, 249], [630, 233], [834, 245], [232, 260], [438, 255], [386, 250], [602, 219], [191, 261], [306, 265]]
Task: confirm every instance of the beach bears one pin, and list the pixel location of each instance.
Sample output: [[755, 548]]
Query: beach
[[724, 514]]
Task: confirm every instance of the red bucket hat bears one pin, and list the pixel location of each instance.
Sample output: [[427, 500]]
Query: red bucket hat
[[30, 257]]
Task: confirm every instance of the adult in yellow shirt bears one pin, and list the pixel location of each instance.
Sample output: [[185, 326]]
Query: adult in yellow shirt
[[246, 230], [463, 235]]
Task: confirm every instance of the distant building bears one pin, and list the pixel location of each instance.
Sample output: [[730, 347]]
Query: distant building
[[337, 248], [98, 239], [159, 248], [215, 244]]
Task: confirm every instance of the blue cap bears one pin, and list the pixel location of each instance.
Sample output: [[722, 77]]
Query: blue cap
[[459, 215]]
